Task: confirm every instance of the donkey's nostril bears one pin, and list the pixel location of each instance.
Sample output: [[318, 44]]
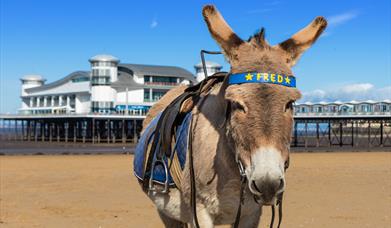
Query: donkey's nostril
[[256, 187]]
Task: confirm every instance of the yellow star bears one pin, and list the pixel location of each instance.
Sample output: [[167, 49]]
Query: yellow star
[[249, 77], [287, 80]]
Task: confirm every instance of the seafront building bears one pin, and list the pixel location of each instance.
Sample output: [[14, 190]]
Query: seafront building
[[338, 108], [115, 88], [110, 87]]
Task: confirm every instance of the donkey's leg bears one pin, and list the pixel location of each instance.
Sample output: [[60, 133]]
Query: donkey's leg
[[250, 220], [170, 222], [203, 217]]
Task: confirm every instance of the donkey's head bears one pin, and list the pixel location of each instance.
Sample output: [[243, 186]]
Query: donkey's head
[[259, 115]]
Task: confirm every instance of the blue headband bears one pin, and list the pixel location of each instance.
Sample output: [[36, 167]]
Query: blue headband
[[255, 77]]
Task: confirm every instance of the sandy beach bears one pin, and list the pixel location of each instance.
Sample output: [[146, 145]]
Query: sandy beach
[[323, 190]]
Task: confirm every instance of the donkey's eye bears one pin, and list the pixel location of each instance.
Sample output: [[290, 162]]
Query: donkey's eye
[[236, 106], [286, 164], [289, 106]]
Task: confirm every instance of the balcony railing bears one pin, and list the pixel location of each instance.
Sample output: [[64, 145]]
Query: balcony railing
[[151, 100], [162, 83], [342, 113]]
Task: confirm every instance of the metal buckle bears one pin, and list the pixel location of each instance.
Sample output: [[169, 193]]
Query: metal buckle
[[242, 172], [151, 186]]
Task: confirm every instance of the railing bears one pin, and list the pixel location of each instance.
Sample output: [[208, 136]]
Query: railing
[[343, 114], [151, 100], [162, 83], [129, 113]]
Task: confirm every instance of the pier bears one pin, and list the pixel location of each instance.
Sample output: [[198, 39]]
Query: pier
[[71, 128], [355, 131], [310, 131]]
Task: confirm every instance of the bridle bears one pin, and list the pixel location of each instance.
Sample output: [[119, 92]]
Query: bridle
[[288, 81]]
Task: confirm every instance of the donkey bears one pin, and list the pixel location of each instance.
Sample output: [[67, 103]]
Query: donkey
[[249, 123]]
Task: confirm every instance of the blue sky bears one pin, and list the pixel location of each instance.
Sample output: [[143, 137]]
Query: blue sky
[[54, 38]]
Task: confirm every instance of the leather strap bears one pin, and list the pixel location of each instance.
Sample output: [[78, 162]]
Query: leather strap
[[241, 197]]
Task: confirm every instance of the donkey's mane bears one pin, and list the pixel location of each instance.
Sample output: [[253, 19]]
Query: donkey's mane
[[259, 36]]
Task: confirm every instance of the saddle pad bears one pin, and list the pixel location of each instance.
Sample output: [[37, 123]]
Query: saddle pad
[[180, 149]]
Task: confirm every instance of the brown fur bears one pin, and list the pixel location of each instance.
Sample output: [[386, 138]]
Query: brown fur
[[235, 119]]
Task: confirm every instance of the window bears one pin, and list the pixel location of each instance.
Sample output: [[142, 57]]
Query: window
[[156, 95], [80, 79], [100, 80], [102, 106], [95, 72], [345, 109], [147, 98], [103, 63], [319, 109], [161, 80]]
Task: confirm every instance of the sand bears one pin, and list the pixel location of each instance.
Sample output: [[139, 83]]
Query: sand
[[323, 190]]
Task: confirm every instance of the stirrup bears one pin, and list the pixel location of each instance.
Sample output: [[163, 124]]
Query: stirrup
[[151, 186]]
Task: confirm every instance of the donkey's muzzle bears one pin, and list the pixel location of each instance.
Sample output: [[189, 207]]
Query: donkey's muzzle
[[268, 189]]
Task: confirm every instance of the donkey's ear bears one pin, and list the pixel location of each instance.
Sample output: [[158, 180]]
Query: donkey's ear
[[220, 30], [302, 40]]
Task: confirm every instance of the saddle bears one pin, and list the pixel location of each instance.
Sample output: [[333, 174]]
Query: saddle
[[161, 152]]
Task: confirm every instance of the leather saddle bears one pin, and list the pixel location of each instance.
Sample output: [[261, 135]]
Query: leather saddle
[[163, 146]]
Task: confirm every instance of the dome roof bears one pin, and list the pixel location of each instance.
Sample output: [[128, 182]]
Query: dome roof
[[208, 64], [104, 58], [33, 77]]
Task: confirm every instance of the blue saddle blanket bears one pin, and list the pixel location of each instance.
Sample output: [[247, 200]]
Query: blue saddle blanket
[[146, 138]]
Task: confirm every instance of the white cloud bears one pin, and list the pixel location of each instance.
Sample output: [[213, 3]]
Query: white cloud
[[339, 19], [358, 92], [154, 24]]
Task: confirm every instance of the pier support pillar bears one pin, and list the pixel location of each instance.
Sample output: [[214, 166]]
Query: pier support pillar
[[352, 133], [35, 131], [108, 131], [28, 130], [66, 126], [83, 130], [58, 131], [42, 125], [123, 131], [381, 133], [134, 131], [329, 133], [93, 130], [369, 133], [306, 134], [50, 132], [74, 131], [317, 134], [22, 136], [340, 134]]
